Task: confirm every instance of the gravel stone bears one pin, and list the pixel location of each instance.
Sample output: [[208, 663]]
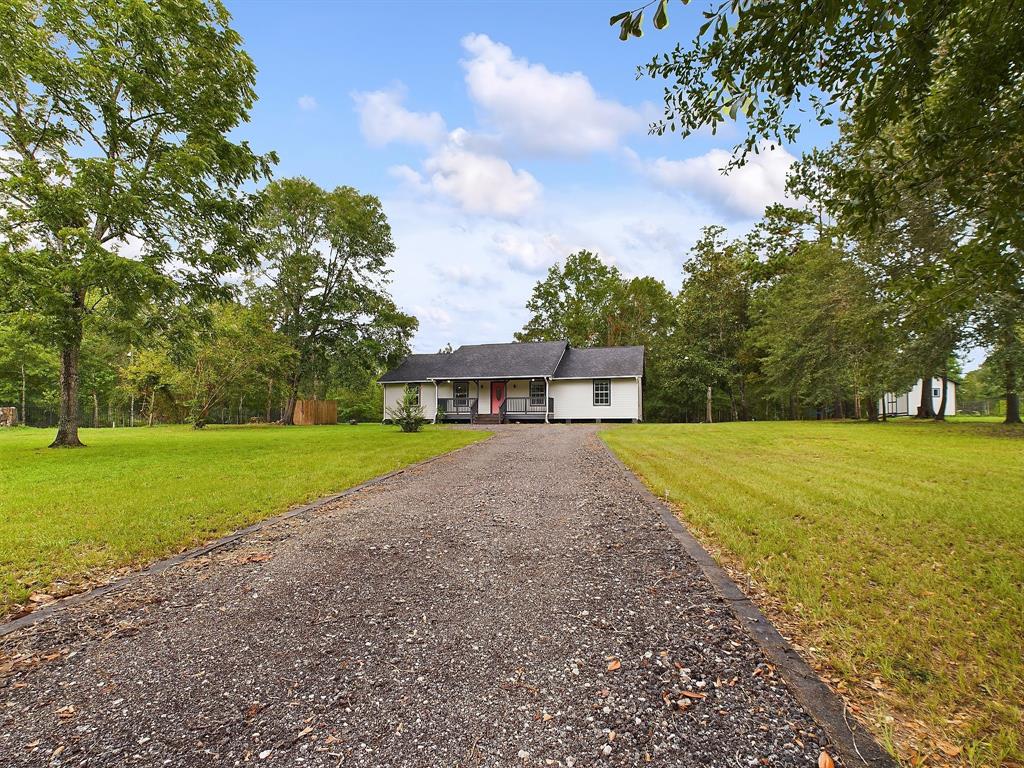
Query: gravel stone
[[516, 603]]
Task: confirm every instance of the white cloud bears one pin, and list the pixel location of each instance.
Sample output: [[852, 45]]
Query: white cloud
[[383, 119], [745, 191], [476, 181], [542, 110], [307, 103], [465, 275], [644, 236], [481, 184], [410, 177], [443, 253], [435, 316], [530, 252]]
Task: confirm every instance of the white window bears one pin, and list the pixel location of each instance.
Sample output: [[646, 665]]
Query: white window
[[415, 389], [460, 389], [537, 393], [602, 392]]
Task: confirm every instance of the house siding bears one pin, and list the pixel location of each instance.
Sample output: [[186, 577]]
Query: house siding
[[393, 394], [574, 399]]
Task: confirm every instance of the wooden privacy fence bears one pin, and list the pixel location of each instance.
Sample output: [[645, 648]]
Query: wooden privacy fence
[[316, 412]]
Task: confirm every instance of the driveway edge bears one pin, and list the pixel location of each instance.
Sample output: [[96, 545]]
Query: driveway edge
[[855, 744], [158, 567]]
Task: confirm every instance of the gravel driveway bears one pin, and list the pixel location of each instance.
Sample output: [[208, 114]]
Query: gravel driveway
[[516, 603]]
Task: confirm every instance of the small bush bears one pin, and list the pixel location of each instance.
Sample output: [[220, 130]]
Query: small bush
[[408, 414]]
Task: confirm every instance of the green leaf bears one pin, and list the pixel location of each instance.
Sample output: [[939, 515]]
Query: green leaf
[[624, 29], [661, 15], [617, 18], [637, 29]]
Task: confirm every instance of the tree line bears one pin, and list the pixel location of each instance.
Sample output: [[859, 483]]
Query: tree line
[[137, 266], [795, 319], [309, 315], [922, 190]]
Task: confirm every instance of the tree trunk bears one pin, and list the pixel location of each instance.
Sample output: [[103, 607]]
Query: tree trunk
[[708, 407], [941, 414], [270, 398], [872, 406], [925, 410], [67, 416], [95, 409], [856, 405], [152, 405], [288, 417], [24, 413], [1012, 395]]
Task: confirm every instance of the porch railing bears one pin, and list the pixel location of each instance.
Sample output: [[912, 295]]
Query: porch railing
[[521, 406], [457, 406]]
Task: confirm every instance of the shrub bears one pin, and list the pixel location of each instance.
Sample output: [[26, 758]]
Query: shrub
[[408, 414]]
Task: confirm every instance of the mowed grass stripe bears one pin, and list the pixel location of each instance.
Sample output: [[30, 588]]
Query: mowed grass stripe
[[896, 550], [135, 495]]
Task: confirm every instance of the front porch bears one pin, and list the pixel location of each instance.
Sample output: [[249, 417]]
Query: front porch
[[466, 409], [494, 401]]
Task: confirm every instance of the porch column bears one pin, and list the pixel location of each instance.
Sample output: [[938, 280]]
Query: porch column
[[546, 382], [435, 401]]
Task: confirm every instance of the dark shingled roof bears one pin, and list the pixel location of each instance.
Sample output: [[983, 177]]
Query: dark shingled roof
[[482, 361], [601, 363], [499, 361], [506, 361], [418, 368]]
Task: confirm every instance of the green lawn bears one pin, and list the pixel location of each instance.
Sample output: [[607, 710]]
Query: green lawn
[[135, 495], [893, 551]]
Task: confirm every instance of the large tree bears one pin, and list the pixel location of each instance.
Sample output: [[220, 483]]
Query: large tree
[[118, 182], [930, 96], [823, 332], [576, 301], [323, 274], [935, 88], [718, 283]]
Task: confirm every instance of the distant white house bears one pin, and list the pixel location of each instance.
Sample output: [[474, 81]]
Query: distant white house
[[537, 381], [906, 403]]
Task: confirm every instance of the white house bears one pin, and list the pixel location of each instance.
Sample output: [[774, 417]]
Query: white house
[[906, 403], [535, 381]]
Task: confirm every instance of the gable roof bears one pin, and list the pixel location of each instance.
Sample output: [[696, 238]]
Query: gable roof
[[520, 360], [482, 361], [601, 363], [498, 361]]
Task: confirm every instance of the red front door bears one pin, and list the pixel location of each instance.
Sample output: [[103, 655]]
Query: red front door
[[497, 395]]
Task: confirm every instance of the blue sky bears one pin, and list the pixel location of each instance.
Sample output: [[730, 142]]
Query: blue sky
[[500, 137]]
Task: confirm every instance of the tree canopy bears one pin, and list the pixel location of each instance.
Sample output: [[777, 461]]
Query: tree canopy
[[119, 183], [322, 274]]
